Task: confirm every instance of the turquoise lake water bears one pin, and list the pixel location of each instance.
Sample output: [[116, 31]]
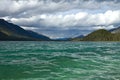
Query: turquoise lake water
[[59, 60]]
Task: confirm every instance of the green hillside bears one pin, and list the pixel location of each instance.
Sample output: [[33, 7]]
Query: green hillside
[[100, 35]]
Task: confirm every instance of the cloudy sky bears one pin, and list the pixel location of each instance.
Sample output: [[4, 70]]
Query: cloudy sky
[[62, 18]]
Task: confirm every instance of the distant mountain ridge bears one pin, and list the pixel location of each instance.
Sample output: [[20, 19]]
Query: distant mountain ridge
[[115, 30], [10, 31], [101, 35]]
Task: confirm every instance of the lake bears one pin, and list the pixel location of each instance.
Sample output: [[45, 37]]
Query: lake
[[34, 60]]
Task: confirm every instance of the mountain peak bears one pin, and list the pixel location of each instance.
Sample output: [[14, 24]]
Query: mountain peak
[[10, 31], [115, 30], [2, 20]]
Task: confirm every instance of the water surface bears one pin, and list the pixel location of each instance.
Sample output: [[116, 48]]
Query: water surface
[[59, 60]]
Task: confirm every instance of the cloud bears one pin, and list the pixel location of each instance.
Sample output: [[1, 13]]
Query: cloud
[[69, 24], [30, 7], [78, 20], [59, 18]]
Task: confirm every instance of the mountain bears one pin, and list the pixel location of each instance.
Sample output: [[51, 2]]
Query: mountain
[[10, 31], [81, 36], [100, 35], [78, 38], [115, 30], [38, 36], [62, 39]]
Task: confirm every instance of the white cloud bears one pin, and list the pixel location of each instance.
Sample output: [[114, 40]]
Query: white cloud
[[107, 18], [62, 14], [81, 20], [29, 28], [103, 27]]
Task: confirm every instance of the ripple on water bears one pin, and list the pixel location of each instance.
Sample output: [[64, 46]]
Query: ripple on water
[[59, 60]]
